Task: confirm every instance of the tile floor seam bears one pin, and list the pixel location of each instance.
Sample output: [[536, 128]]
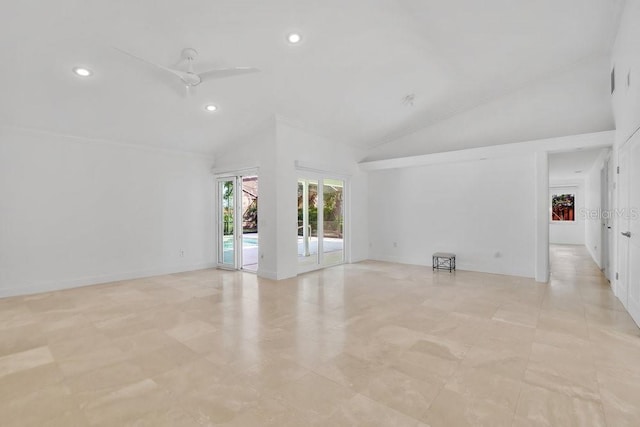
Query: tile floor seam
[[355, 317], [604, 412]]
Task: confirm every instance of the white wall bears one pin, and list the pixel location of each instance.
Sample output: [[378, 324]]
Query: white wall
[[625, 100], [626, 60], [76, 212], [482, 210], [534, 151], [259, 150], [568, 232], [316, 152], [275, 149]]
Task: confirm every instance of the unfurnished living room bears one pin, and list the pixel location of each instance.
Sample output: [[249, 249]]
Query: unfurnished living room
[[320, 213]]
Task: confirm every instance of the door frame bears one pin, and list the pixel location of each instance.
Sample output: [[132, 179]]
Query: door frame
[[320, 176], [605, 220], [622, 267], [237, 249], [633, 273], [236, 177], [611, 225]]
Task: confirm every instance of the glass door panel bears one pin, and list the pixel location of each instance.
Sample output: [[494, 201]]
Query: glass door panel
[[333, 221], [249, 230], [226, 222], [321, 213], [308, 222]]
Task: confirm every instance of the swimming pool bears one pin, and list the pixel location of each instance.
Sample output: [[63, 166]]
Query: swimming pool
[[247, 242]]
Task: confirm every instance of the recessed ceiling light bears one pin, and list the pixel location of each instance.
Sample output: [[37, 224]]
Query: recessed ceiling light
[[82, 72], [294, 38], [211, 108]]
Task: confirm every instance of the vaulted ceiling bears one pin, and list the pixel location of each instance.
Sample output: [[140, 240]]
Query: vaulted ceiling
[[347, 80]]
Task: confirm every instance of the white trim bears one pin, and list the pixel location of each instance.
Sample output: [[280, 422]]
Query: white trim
[[564, 186], [57, 285], [320, 169], [244, 170], [267, 274], [238, 250], [320, 176], [346, 225], [122, 144], [567, 143], [460, 266], [542, 215]]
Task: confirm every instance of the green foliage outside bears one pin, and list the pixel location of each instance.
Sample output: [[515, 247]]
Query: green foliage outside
[[332, 212], [227, 200]]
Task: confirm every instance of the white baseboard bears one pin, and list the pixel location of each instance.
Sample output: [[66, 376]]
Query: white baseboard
[[459, 265], [634, 311], [58, 285], [267, 274], [594, 257]]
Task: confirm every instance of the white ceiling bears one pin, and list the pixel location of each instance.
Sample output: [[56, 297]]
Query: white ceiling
[[572, 165], [347, 80]]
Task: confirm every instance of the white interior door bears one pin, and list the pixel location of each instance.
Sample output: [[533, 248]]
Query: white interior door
[[611, 237], [604, 221], [633, 236], [622, 218]]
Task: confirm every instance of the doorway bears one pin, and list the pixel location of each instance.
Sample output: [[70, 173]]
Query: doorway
[[606, 222], [321, 222], [237, 215]]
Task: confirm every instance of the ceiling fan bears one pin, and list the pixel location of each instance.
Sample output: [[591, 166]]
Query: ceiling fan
[[190, 78]]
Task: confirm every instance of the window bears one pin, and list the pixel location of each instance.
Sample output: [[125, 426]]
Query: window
[[563, 207]]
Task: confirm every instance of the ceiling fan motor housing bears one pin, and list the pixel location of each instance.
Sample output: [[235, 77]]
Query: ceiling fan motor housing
[[189, 54], [191, 79]]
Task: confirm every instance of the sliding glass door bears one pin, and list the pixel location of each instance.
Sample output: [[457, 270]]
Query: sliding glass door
[[307, 222], [320, 222], [227, 255], [237, 215], [333, 221]]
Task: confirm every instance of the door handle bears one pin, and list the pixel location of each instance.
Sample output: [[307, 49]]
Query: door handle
[[626, 234]]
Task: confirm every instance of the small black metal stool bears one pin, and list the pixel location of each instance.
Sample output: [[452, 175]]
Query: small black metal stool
[[444, 261]]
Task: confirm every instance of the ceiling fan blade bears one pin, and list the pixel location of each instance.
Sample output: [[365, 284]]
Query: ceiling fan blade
[[226, 72], [180, 74]]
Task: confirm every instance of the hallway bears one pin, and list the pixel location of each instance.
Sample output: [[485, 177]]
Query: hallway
[[581, 304], [578, 286]]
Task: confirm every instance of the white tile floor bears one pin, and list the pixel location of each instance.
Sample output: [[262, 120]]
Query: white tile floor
[[371, 344]]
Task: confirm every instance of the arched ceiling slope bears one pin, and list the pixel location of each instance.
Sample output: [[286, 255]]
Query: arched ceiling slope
[[348, 80]]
